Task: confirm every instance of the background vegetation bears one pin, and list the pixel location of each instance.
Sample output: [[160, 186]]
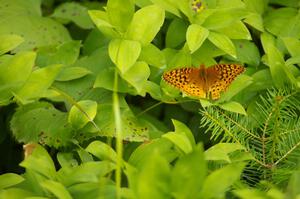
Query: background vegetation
[[81, 90]]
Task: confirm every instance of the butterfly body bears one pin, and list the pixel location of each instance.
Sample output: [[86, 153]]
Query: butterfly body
[[203, 82]]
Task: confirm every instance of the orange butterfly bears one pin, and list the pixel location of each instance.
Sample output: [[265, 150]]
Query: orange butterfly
[[204, 82]]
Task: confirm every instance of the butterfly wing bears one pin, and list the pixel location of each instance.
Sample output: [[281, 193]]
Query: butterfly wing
[[226, 73], [188, 80]]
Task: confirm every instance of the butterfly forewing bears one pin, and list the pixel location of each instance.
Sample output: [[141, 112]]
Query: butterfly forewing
[[204, 82], [226, 74], [188, 80]]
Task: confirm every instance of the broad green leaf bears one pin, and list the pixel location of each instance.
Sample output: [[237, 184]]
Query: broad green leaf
[[38, 83], [292, 188], [94, 40], [293, 60], [9, 42], [133, 128], [101, 20], [195, 36], [222, 42], [256, 6], [239, 84], [57, 189], [186, 8], [145, 24], [188, 175], [102, 151], [152, 55], [72, 11], [15, 193], [71, 73], [180, 59], [262, 80], [221, 151], [182, 129], [105, 79], [141, 154], [66, 159], [40, 161], [233, 107], [247, 52], [179, 26], [10, 179], [17, 69], [255, 20], [66, 53], [223, 18], [237, 30], [124, 53], [137, 75], [44, 124], [120, 13], [283, 22], [168, 5], [82, 113], [181, 141], [219, 181], [154, 182], [293, 45], [25, 19], [86, 172], [13, 74], [279, 72]]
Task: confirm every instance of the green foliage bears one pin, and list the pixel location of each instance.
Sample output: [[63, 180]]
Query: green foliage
[[80, 82]]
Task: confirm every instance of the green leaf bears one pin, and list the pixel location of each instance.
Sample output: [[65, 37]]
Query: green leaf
[[120, 13], [124, 53], [141, 154], [221, 151], [38, 83], [195, 36], [179, 26], [255, 20], [262, 80], [44, 124], [219, 181], [15, 193], [222, 18], [188, 175], [13, 74], [152, 55], [137, 75], [293, 45], [101, 20], [247, 52], [71, 73], [82, 113], [168, 5], [57, 189], [10, 179], [72, 11], [9, 42], [66, 53], [25, 19], [256, 6], [153, 182], [233, 107], [145, 24], [237, 30], [239, 84], [40, 161], [292, 188], [222, 42], [86, 172], [102, 151], [181, 128], [181, 141], [276, 62], [17, 69]]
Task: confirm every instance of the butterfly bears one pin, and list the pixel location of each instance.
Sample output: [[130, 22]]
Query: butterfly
[[204, 82]]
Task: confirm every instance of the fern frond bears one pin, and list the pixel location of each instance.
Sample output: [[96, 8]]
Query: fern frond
[[270, 132]]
